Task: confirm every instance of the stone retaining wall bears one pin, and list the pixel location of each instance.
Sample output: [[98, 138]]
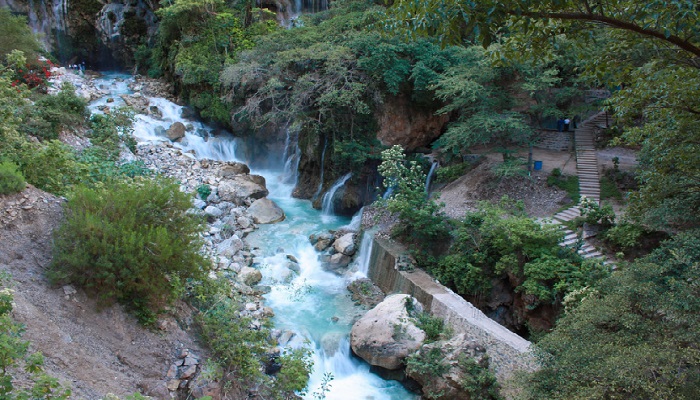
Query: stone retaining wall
[[554, 140], [508, 352]]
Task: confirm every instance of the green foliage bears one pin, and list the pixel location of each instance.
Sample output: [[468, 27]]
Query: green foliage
[[294, 374], [568, 183], [434, 327], [451, 173], [51, 166], [49, 115], [625, 235], [500, 241], [633, 337], [129, 241], [203, 191], [595, 214], [14, 354], [15, 34], [427, 362], [421, 222], [609, 190], [109, 131], [477, 379], [11, 179], [510, 168]]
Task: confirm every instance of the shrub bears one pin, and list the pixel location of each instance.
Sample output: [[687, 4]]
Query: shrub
[[130, 242], [50, 114], [625, 235], [452, 172], [50, 166], [566, 183], [11, 180], [203, 191], [597, 215]]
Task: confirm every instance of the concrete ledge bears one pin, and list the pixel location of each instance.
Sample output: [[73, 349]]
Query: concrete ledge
[[508, 351]]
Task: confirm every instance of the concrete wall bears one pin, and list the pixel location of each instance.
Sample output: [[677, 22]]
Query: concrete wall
[[508, 351]]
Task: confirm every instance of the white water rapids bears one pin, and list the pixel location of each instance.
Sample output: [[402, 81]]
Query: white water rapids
[[315, 305]]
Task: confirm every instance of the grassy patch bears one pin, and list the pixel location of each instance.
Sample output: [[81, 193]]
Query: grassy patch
[[566, 183], [609, 189]]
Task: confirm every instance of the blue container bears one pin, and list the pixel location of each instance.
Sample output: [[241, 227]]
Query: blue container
[[538, 165]]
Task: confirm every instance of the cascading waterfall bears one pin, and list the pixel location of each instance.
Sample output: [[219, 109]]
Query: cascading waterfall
[[292, 155], [428, 178], [365, 253], [312, 304], [320, 181], [327, 206]]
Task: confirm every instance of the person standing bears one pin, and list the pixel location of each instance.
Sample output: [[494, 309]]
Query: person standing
[[566, 124], [560, 124]]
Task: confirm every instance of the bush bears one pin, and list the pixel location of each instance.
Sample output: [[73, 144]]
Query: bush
[[624, 236], [452, 172], [566, 183], [11, 180], [53, 113], [203, 191], [130, 242], [50, 166]]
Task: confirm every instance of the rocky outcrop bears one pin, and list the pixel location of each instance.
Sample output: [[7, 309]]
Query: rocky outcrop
[[404, 123], [455, 356], [265, 211], [386, 335], [345, 244]]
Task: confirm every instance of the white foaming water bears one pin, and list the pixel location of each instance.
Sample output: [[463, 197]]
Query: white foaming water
[[356, 221], [430, 176], [292, 155], [313, 304], [364, 254], [328, 208]]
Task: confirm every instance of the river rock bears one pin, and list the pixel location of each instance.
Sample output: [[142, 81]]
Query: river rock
[[176, 131], [250, 276], [232, 168], [239, 188], [137, 102], [244, 222], [230, 246], [386, 335], [265, 211], [337, 263], [213, 212], [345, 244], [447, 384]]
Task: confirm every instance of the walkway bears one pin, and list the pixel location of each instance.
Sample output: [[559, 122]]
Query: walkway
[[588, 181]]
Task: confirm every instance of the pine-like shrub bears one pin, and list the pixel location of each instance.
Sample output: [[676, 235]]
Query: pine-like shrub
[[11, 180], [132, 242]]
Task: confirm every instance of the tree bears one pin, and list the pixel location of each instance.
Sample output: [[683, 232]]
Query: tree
[[633, 336], [650, 49], [15, 34]]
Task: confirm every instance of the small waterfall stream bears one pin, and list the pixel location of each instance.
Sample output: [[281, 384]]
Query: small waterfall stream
[[328, 207], [291, 157], [312, 304], [429, 177]]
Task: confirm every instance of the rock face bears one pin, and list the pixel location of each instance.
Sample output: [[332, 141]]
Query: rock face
[[385, 336], [241, 187], [403, 123], [455, 355], [176, 131], [265, 211]]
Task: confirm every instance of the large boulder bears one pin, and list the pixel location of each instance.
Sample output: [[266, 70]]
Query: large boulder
[[337, 263], [345, 244], [386, 335], [238, 188], [265, 211], [460, 358], [233, 168], [402, 122], [176, 131]]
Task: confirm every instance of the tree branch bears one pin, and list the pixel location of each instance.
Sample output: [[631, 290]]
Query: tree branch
[[616, 23]]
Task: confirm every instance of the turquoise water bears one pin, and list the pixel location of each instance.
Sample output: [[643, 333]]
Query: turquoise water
[[314, 304]]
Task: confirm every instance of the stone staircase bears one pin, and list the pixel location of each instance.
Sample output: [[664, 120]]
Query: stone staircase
[[589, 182]]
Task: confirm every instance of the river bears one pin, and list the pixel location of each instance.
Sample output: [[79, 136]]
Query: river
[[314, 305]]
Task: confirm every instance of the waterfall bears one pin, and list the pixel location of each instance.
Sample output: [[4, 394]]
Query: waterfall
[[388, 193], [430, 176], [365, 252], [328, 207], [291, 157], [320, 181], [355, 222], [309, 302]]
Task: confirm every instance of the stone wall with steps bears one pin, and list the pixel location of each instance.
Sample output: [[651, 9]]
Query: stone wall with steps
[[508, 352], [554, 140]]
